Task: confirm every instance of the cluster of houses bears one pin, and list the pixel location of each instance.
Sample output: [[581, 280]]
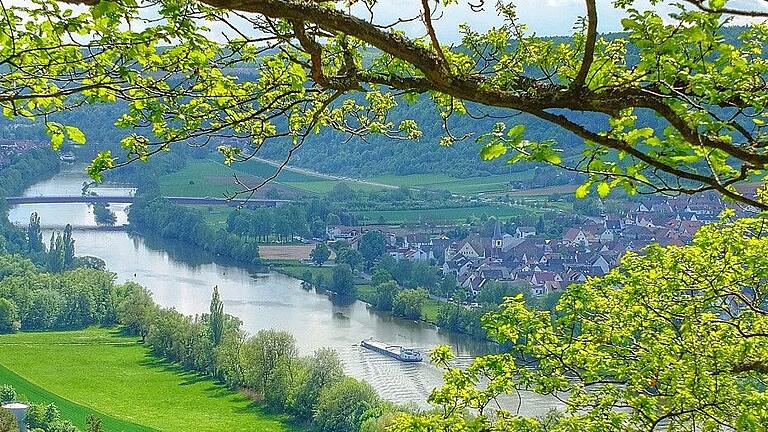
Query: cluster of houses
[[547, 265]]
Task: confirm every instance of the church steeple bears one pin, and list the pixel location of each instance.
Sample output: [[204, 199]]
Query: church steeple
[[497, 241]]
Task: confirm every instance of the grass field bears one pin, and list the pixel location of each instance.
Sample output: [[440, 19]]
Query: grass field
[[212, 178], [297, 269], [99, 371]]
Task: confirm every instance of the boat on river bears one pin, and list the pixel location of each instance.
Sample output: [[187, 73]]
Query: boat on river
[[394, 351]]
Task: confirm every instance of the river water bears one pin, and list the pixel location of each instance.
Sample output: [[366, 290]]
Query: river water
[[183, 278]]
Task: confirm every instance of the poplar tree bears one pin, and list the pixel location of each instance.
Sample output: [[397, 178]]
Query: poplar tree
[[217, 317]]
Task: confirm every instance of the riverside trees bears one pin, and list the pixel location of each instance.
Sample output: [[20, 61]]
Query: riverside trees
[[266, 364]]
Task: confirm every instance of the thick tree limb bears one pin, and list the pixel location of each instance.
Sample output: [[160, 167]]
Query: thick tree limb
[[589, 46]]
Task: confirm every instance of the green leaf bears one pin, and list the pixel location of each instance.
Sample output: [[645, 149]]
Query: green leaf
[[76, 135], [57, 139], [493, 151], [102, 162], [603, 189], [583, 190]]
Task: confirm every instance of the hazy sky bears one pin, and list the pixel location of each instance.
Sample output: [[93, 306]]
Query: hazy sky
[[545, 17]]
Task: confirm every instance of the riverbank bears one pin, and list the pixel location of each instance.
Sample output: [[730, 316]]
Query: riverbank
[[363, 292]]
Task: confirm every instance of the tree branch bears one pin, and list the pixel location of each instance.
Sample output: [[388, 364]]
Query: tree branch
[[589, 46]]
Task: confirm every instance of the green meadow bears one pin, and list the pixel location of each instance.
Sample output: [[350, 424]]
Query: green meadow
[[99, 371], [212, 178]]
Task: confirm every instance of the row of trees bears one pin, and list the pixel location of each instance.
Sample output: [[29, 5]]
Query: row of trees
[[60, 254], [32, 300], [279, 224], [313, 389], [152, 214]]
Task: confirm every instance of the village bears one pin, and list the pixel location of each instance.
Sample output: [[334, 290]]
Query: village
[[547, 265]]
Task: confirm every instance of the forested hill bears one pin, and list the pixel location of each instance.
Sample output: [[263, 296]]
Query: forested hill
[[333, 152]]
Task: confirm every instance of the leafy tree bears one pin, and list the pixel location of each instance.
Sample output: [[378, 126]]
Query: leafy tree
[[385, 295], [680, 68], [93, 424], [262, 353], [55, 254], [7, 393], [321, 281], [673, 335], [35, 234], [324, 370], [318, 228], [320, 253], [380, 276], [341, 405], [9, 316], [103, 215], [68, 249], [8, 421], [448, 285], [424, 275], [216, 317], [402, 271], [89, 262], [494, 293], [333, 219], [350, 257], [409, 303], [138, 311], [342, 281], [372, 246]]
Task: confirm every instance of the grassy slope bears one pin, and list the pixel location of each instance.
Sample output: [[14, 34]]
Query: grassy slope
[[99, 370], [74, 412]]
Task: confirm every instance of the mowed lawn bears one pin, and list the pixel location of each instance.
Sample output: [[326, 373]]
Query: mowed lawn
[[99, 371]]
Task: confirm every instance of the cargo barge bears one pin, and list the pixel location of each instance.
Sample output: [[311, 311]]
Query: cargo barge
[[394, 351]]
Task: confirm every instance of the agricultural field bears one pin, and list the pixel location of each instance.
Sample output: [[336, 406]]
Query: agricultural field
[[287, 252], [462, 186], [440, 215], [98, 371]]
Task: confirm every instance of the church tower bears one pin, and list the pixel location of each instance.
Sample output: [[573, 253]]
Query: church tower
[[497, 241]]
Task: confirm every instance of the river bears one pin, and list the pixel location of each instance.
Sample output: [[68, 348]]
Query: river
[[183, 278]]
